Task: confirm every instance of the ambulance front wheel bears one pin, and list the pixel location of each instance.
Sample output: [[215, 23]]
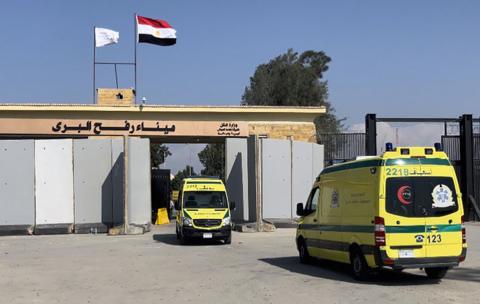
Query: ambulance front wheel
[[436, 273], [183, 239], [303, 252], [228, 239], [177, 232]]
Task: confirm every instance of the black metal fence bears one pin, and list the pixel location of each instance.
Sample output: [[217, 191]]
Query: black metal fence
[[451, 146], [340, 147]]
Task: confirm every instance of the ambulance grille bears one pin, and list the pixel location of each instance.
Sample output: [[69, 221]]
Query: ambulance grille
[[207, 222]]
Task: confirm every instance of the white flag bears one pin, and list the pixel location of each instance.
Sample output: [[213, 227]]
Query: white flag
[[105, 36]]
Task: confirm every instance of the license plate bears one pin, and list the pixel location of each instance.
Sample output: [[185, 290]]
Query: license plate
[[405, 253], [207, 235]]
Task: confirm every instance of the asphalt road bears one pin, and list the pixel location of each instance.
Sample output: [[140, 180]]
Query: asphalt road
[[255, 268]]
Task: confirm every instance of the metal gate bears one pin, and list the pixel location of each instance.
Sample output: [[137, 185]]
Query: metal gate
[[451, 146], [288, 170], [340, 147]]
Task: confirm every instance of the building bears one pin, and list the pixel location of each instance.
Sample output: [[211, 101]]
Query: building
[[86, 168]]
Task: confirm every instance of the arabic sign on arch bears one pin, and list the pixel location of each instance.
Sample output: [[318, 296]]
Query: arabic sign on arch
[[123, 127], [98, 128]]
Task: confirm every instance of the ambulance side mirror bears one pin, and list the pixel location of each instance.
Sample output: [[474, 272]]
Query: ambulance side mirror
[[300, 210], [232, 205], [177, 205]]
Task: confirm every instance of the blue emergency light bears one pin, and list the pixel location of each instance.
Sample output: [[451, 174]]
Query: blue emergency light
[[388, 146], [438, 146]]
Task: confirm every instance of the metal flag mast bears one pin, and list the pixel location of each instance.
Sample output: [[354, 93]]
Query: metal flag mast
[[135, 42], [94, 60], [114, 64]]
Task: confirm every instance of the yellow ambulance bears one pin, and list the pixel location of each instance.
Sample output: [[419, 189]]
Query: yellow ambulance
[[203, 210], [400, 210]]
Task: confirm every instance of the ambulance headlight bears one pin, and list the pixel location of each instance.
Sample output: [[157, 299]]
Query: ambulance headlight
[[226, 221], [187, 221]]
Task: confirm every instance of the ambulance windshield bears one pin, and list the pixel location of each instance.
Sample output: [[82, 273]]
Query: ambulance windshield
[[205, 199], [421, 196]]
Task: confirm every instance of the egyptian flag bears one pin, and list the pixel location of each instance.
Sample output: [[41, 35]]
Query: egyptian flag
[[155, 31]]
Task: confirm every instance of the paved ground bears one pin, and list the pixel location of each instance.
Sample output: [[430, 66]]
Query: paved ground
[[256, 268]]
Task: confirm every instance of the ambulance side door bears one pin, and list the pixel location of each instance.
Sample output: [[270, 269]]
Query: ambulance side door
[[310, 222]]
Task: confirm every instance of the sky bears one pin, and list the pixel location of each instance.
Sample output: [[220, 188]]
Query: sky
[[403, 58], [183, 155]]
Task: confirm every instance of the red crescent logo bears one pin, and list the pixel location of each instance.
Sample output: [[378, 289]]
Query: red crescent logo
[[402, 192]]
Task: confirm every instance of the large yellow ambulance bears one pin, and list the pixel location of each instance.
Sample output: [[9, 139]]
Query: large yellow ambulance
[[400, 210], [203, 210]]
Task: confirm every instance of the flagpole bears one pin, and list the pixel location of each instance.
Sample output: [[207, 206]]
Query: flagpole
[[135, 55], [94, 60]]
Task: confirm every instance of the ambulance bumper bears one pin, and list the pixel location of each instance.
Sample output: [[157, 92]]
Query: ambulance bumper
[[222, 232], [382, 260]]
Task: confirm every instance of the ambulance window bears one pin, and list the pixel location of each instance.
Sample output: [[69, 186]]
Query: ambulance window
[[312, 200], [205, 199], [421, 196]]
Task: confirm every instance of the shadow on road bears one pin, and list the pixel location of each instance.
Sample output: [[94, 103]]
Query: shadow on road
[[341, 272], [464, 274], [171, 239]]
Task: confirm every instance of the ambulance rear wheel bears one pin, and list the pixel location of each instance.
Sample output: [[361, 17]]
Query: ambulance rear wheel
[[303, 252], [359, 265], [436, 273]]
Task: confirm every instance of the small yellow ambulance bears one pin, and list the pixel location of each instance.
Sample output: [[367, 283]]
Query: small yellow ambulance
[[400, 210], [203, 210]]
